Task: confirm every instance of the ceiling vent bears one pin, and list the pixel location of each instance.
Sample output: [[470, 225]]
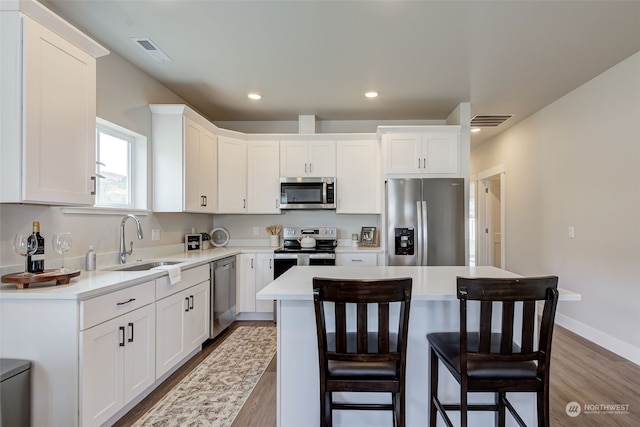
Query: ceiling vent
[[489, 120], [151, 49]]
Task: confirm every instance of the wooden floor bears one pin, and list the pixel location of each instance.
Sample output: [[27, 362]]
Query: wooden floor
[[581, 372]]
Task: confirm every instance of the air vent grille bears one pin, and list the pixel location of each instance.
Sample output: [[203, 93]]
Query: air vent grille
[[150, 48], [489, 120]]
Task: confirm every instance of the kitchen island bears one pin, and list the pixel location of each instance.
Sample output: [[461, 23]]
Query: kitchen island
[[434, 307]]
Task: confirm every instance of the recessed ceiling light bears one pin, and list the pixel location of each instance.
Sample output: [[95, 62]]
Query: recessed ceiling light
[[371, 94], [475, 129], [255, 96]]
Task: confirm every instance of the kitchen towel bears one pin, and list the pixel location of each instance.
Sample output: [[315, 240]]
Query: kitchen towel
[[173, 270]]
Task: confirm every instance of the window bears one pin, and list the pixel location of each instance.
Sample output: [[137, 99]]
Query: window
[[113, 167], [121, 167]]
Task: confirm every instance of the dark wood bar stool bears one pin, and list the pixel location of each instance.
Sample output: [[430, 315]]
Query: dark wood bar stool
[[373, 357], [487, 361]]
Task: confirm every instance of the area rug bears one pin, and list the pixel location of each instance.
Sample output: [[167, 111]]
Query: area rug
[[213, 393]]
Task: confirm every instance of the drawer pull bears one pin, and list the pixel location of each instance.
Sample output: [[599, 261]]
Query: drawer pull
[[122, 336], [126, 302], [187, 300], [357, 260], [131, 334], [191, 302]]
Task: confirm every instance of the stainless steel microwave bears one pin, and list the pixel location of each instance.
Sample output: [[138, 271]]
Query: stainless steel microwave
[[307, 193]]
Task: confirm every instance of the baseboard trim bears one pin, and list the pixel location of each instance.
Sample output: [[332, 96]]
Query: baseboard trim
[[612, 344], [254, 316]]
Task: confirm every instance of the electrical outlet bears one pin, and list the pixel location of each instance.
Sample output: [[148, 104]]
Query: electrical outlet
[[572, 232], [256, 231], [155, 234]]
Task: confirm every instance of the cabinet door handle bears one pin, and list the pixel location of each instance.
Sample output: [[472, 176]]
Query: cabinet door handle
[[126, 302], [269, 264], [93, 184], [305, 168], [251, 262], [187, 300], [418, 162], [130, 332], [121, 336], [206, 201], [424, 163], [244, 203], [310, 168], [190, 302]]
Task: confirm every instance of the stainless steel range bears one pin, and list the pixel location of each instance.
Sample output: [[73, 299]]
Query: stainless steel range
[[305, 246]]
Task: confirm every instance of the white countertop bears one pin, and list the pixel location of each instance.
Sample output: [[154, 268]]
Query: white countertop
[[429, 283], [92, 283]]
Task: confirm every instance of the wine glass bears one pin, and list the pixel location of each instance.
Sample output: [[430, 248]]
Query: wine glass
[[25, 244], [61, 244]]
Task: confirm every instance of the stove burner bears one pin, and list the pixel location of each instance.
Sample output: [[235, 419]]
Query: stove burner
[[325, 237]]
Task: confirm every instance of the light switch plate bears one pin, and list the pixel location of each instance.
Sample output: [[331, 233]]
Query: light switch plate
[[155, 234]]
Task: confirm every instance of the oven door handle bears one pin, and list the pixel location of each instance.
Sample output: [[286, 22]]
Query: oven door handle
[[322, 256], [285, 256]]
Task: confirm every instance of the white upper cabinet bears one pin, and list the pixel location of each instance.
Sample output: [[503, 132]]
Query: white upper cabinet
[[358, 184], [430, 150], [232, 175], [184, 160], [48, 109], [263, 187], [200, 175], [307, 158]]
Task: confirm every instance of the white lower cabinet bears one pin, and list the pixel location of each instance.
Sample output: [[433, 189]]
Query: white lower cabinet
[[264, 276], [255, 271], [354, 259], [117, 357], [182, 322], [246, 283]]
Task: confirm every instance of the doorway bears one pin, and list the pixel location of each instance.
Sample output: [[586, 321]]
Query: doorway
[[491, 202]]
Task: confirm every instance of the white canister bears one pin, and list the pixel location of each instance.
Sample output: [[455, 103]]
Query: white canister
[[274, 239]]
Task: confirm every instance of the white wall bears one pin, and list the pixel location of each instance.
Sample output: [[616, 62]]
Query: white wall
[[123, 95], [322, 126], [240, 227], [575, 163]]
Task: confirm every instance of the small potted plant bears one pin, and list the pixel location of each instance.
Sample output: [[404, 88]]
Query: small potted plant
[[206, 240]]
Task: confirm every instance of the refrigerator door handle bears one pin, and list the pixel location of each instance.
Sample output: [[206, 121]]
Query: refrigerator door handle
[[425, 231], [418, 238]]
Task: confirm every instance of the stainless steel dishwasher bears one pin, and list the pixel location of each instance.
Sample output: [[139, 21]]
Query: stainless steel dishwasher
[[223, 295]]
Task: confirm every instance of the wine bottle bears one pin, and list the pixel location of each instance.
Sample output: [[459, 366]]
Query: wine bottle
[[35, 262]]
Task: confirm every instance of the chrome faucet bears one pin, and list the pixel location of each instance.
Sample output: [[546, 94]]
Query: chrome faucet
[[123, 251]]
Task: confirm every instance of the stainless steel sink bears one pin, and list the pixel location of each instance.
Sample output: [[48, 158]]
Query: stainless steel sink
[[145, 265]]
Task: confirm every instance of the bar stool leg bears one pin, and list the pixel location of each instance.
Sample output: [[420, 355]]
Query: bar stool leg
[[433, 381]]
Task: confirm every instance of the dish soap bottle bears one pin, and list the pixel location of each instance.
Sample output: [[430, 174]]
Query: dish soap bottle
[[90, 259]]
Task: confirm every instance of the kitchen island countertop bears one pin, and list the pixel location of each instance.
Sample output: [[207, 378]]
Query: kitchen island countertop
[[429, 283]]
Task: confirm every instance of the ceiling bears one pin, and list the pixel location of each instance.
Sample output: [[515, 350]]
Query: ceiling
[[320, 57]]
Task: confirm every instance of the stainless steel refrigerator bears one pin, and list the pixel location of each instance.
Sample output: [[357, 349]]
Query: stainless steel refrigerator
[[425, 221]]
